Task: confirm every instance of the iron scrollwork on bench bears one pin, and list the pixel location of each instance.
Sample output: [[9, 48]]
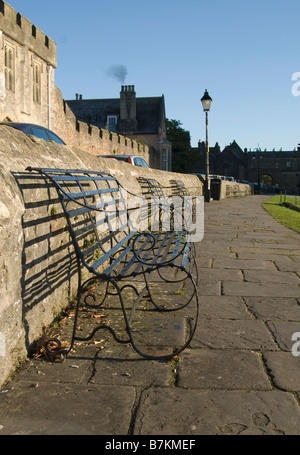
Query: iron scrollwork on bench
[[151, 272]]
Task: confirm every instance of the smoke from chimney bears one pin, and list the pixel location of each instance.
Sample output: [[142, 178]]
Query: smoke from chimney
[[118, 72]]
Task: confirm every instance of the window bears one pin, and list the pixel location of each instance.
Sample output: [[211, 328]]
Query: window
[[225, 169], [266, 180], [112, 122], [165, 163], [9, 67], [36, 86], [140, 162], [288, 164]]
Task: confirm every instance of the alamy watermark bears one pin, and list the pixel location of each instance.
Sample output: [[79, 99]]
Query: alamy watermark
[[296, 85], [160, 213], [296, 346], [2, 345]]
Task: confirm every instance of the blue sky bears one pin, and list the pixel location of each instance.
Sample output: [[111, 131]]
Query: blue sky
[[243, 52]]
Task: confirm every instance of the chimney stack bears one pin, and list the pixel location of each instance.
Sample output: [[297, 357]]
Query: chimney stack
[[127, 122]]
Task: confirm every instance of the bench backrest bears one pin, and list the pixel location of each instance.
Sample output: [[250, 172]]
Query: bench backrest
[[95, 207], [178, 188]]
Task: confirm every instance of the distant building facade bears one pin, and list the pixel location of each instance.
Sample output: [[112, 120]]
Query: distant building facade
[[275, 168], [142, 119], [230, 162], [272, 168]]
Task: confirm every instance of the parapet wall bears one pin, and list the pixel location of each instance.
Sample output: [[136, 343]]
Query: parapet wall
[[234, 189], [37, 261]]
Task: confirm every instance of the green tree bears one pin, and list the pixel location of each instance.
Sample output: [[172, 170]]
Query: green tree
[[183, 159]]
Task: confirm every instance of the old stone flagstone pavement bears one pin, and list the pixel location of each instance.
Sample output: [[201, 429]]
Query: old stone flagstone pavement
[[240, 375]]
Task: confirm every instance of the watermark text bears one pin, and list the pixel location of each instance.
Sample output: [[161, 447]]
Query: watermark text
[[296, 85], [296, 346], [2, 345]]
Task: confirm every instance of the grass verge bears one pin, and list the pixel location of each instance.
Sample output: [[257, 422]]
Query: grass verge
[[288, 217]]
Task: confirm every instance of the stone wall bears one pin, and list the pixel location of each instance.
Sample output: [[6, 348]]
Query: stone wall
[[233, 189], [37, 261]]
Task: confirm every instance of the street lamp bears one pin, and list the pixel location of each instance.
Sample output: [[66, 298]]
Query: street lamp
[[206, 103]]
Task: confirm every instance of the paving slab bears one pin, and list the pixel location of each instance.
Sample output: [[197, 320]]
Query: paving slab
[[271, 277], [266, 289], [274, 308], [239, 376], [214, 412], [283, 333], [233, 334], [66, 409], [279, 249], [128, 369], [284, 369], [113, 365], [220, 274], [288, 266], [223, 307], [234, 263], [221, 369]]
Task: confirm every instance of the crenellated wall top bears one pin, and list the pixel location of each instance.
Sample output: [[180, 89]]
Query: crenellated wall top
[[21, 30]]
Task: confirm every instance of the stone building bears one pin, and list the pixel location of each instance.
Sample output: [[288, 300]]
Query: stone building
[[142, 119], [27, 63], [28, 94], [275, 168], [271, 168], [230, 162]]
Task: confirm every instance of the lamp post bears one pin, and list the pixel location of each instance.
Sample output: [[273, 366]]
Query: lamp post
[[206, 103], [258, 170]]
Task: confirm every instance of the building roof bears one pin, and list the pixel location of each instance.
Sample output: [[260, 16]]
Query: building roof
[[149, 112]]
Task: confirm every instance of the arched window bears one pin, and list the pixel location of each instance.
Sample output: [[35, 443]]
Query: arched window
[[266, 179]]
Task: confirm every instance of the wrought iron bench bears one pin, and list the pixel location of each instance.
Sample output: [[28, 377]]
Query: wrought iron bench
[[180, 198], [128, 259]]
